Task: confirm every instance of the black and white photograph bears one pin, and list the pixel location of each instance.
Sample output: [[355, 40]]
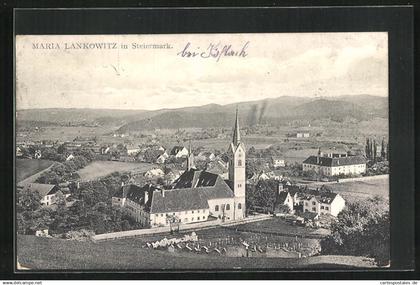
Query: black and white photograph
[[202, 151]]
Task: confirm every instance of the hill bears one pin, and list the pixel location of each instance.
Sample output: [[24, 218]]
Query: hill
[[271, 110]]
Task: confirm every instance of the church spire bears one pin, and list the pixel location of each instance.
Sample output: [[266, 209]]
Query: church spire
[[190, 158], [236, 133]]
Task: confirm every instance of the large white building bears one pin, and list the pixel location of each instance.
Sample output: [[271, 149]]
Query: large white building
[[195, 196], [335, 164]]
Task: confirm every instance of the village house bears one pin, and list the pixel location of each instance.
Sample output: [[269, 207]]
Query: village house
[[47, 192], [179, 151], [335, 164], [302, 135], [71, 147], [70, 157], [277, 162], [205, 156], [311, 200], [105, 149], [283, 201], [132, 150], [324, 203], [161, 159], [154, 173], [19, 151]]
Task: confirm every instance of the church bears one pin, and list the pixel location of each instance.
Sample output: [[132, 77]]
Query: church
[[196, 196]]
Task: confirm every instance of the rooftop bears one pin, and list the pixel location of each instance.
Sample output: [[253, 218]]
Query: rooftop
[[335, 161]]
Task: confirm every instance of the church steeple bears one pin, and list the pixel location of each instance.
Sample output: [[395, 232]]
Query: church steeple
[[236, 132], [190, 158]]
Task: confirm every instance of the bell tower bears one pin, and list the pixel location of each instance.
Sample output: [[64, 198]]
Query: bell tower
[[237, 170]]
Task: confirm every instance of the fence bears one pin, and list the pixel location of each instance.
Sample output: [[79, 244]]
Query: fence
[[167, 229], [182, 227]]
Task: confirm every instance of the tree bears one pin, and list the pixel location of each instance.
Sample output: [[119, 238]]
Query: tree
[[367, 148], [362, 229], [383, 154], [375, 149], [264, 194], [28, 200]]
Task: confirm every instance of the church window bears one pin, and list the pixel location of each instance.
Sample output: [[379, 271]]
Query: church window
[[216, 208], [313, 209], [239, 162], [227, 207], [198, 218], [239, 206], [204, 217], [192, 212], [198, 211]]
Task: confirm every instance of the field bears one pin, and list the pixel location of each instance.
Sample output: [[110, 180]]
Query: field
[[279, 226], [28, 167], [45, 253], [359, 190], [99, 169]]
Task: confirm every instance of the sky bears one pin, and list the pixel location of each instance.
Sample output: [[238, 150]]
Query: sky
[[283, 64]]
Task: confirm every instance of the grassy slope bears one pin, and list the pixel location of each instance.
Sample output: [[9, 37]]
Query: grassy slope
[[28, 167], [102, 168], [359, 190], [43, 253], [278, 226]]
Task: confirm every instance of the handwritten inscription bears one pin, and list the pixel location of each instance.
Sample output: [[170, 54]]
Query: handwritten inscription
[[216, 51]]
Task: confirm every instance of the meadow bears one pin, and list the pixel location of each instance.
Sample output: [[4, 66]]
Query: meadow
[[40, 253], [99, 169], [28, 167], [360, 190]]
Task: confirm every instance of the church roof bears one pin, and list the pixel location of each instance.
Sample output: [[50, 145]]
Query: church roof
[[137, 194], [211, 185], [177, 200]]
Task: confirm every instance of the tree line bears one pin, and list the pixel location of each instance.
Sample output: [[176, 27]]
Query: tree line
[[89, 209], [371, 150]]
